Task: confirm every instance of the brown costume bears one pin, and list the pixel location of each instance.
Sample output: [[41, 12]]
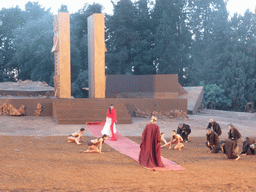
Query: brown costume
[[234, 134], [150, 147], [213, 139], [184, 131], [246, 146], [215, 127], [229, 148]]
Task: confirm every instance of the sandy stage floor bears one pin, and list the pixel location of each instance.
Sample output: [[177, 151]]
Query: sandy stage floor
[[52, 164], [35, 156]]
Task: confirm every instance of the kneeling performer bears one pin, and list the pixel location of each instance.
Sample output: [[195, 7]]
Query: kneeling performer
[[230, 149], [248, 146], [175, 139], [212, 141]]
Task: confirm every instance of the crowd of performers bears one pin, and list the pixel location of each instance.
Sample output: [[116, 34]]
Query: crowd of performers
[[150, 147]]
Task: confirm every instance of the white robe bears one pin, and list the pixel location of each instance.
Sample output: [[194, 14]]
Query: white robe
[[106, 129]]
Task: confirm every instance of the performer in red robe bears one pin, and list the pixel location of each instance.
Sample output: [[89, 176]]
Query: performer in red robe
[[110, 127], [150, 147]]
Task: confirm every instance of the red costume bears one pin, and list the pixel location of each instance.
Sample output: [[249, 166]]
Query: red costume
[[112, 115], [150, 147]]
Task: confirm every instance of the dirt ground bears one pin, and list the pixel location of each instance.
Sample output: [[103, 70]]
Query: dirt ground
[[52, 164], [35, 160]]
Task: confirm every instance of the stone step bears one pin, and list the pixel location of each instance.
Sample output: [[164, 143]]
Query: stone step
[[84, 121], [86, 105], [80, 111]]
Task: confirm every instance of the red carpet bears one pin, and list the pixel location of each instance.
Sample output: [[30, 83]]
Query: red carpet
[[128, 147]]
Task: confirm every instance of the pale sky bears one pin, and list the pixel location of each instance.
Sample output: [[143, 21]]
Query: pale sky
[[73, 5], [239, 6]]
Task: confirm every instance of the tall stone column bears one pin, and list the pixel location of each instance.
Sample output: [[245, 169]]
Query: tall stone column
[[61, 49], [96, 56]]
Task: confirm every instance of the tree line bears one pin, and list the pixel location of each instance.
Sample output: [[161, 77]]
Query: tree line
[[198, 40]]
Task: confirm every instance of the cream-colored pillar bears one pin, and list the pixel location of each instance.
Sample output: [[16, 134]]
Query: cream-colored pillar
[[61, 49], [96, 55]]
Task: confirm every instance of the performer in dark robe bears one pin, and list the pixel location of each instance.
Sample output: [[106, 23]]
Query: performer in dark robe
[[212, 141], [215, 127], [248, 146], [184, 130], [229, 149], [233, 133], [253, 147], [150, 147]]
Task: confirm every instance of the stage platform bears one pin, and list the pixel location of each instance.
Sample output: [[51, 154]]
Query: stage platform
[[80, 111], [26, 89]]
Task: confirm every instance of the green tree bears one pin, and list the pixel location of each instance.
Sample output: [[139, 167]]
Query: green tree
[[122, 38], [33, 58], [10, 19], [172, 38], [215, 95], [239, 71], [209, 25], [143, 62], [79, 48]]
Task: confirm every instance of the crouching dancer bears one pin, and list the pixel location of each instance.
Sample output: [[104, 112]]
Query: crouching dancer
[[248, 146], [175, 139], [95, 145], [230, 149], [184, 130], [212, 141], [76, 137]]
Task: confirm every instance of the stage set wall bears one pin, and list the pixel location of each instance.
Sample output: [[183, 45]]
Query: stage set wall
[[146, 92], [146, 104], [144, 86], [78, 111]]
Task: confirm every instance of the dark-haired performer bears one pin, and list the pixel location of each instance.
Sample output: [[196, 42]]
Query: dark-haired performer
[[184, 130], [150, 147], [76, 137], [212, 141], [110, 126], [175, 139], [95, 146], [215, 127], [248, 146], [233, 133]]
